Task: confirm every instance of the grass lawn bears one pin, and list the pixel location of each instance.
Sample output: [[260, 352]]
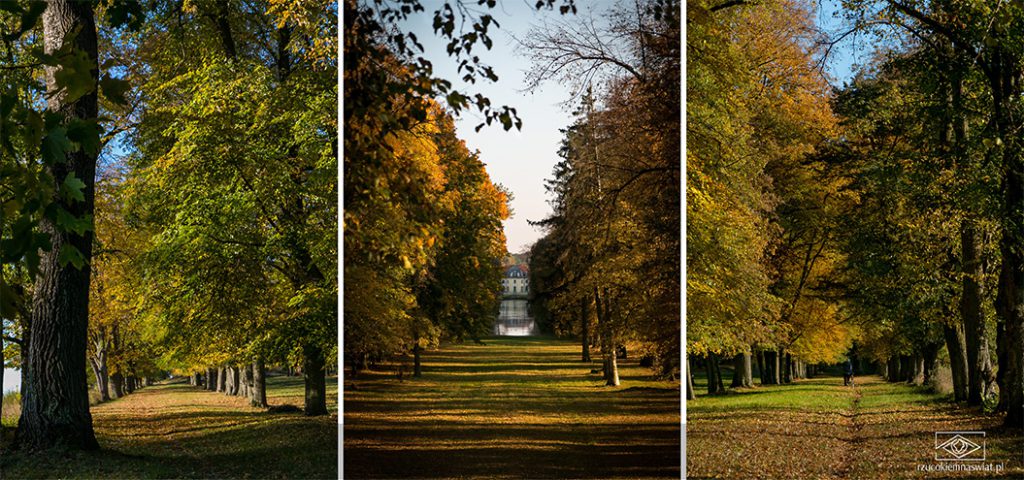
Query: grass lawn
[[178, 431], [817, 428], [516, 407]]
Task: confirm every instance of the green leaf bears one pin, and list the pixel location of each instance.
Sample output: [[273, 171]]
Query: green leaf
[[55, 146], [72, 187], [70, 254], [86, 133], [114, 89], [126, 13], [70, 223], [74, 75]]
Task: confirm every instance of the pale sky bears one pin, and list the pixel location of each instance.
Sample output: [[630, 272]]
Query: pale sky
[[518, 160], [522, 160]]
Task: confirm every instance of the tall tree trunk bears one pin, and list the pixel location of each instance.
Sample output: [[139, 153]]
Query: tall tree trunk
[[98, 361], [117, 383], [246, 389], [771, 362], [742, 375], [957, 360], [56, 410], [893, 368], [1001, 366], [613, 364], [774, 368], [1006, 87], [787, 367], [759, 356], [714, 373], [1012, 312], [100, 371], [585, 328], [211, 379], [234, 379], [222, 379], [975, 338], [690, 395], [906, 368], [316, 382], [259, 384]]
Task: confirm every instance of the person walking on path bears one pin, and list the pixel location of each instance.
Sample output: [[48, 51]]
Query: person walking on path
[[848, 373]]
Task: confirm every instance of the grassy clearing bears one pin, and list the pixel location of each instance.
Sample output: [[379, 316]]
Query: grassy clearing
[[817, 428], [178, 431], [516, 407]]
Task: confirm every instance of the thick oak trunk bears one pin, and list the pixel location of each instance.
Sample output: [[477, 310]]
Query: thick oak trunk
[[742, 375], [55, 411]]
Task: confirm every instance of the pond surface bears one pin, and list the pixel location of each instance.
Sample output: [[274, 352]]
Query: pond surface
[[514, 319]]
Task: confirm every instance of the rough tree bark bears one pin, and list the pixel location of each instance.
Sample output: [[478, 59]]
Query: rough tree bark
[[211, 379], [56, 410], [957, 360], [975, 336]]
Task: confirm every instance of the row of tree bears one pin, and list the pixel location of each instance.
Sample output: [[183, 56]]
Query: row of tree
[[883, 216], [169, 197], [608, 267], [423, 237]]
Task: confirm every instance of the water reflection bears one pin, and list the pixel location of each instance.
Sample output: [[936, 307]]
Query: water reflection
[[514, 319]]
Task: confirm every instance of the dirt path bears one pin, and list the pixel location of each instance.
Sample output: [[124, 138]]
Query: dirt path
[[853, 448]]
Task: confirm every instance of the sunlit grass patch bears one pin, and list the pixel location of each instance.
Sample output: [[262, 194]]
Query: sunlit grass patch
[[818, 428], [178, 431]]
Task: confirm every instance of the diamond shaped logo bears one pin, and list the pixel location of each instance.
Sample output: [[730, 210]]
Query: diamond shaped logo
[[960, 446]]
